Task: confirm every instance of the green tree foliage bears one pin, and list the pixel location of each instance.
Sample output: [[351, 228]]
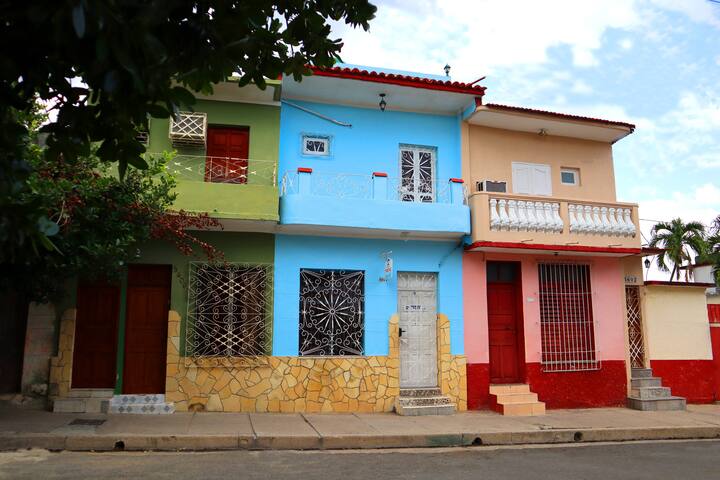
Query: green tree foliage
[[679, 240], [106, 65], [712, 253]]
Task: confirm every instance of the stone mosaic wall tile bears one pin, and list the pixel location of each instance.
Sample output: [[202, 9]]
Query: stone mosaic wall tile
[[61, 364]]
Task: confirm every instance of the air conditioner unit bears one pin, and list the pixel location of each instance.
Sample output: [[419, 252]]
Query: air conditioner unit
[[491, 186], [189, 130]]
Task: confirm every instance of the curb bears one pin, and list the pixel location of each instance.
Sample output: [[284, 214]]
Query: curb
[[119, 442]]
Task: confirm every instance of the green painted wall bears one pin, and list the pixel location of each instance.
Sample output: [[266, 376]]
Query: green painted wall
[[240, 247], [258, 199]]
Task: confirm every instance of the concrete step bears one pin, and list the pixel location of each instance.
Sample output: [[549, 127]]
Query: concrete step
[[423, 401], [521, 409], [499, 389], [420, 392], [425, 410], [645, 382], [136, 399], [648, 393], [508, 398], [81, 405], [657, 404], [641, 373], [143, 408], [90, 393]]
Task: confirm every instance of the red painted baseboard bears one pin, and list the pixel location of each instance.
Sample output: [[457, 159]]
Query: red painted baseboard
[[606, 387], [478, 384], [692, 379]]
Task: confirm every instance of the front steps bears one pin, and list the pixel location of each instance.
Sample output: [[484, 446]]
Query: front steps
[[84, 400], [648, 394], [515, 399], [149, 404], [423, 401]]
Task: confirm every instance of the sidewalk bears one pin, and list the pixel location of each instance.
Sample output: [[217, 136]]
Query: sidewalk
[[222, 431]]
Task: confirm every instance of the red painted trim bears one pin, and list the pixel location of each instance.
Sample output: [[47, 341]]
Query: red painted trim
[[679, 284], [652, 250], [714, 316], [559, 248], [606, 387], [396, 79], [496, 106], [379, 174], [715, 343], [692, 379], [457, 180], [478, 385], [304, 170]]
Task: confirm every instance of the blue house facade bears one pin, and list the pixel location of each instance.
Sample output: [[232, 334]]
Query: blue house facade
[[368, 259]]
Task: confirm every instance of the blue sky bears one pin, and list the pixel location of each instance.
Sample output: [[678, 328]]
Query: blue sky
[[655, 63]]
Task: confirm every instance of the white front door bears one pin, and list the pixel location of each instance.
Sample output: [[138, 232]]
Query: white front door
[[417, 172], [417, 300]]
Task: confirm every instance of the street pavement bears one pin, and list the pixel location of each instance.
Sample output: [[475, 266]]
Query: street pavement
[[682, 460]]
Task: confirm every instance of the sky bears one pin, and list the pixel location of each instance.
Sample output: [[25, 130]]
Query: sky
[[654, 63]]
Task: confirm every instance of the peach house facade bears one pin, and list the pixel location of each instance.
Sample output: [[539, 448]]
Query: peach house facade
[[543, 275]]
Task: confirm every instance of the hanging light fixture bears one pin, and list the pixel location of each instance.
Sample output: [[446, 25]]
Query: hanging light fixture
[[383, 103], [447, 70]]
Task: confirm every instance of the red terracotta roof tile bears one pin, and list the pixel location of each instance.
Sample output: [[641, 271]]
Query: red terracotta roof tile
[[497, 106]]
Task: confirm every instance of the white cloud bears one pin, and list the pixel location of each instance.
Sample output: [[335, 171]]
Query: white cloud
[[626, 44], [701, 11]]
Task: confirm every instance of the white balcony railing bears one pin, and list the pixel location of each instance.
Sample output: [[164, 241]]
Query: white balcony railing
[[343, 185], [547, 216], [201, 168]]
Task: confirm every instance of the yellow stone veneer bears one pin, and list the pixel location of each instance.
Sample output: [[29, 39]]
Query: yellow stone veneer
[[301, 384], [61, 364]]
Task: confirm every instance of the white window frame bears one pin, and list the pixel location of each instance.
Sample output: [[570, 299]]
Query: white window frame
[[533, 186], [317, 138], [433, 151], [576, 176]]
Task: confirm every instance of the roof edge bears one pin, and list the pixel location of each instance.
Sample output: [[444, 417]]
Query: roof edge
[[565, 116]]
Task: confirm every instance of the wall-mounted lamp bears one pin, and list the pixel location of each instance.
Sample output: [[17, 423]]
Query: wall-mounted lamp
[[447, 70], [542, 132], [383, 103], [647, 263]]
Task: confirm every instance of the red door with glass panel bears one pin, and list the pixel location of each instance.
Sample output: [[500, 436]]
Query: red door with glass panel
[[227, 154]]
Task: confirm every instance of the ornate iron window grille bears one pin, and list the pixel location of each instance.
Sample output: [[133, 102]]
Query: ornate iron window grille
[[635, 333], [332, 316], [229, 310], [566, 318]]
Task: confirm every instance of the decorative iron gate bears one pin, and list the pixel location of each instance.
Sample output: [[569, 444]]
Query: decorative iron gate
[[332, 316], [417, 306], [417, 174], [634, 323]]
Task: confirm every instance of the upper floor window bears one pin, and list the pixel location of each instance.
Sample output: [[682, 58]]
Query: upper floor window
[[570, 176], [531, 178], [315, 145], [417, 173]]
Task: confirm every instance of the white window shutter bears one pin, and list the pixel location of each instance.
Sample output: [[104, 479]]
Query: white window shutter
[[542, 180], [522, 181]]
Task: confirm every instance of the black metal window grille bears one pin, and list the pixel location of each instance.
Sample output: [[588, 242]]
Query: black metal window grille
[[332, 312]]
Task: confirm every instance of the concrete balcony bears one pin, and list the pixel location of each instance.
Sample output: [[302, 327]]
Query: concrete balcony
[[226, 188], [374, 205], [502, 221]]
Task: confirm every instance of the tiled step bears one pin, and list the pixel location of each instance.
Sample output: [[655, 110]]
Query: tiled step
[[645, 382], [143, 408], [641, 373], [420, 392], [500, 389], [521, 409], [657, 404], [425, 410], [649, 393], [423, 401], [137, 399]]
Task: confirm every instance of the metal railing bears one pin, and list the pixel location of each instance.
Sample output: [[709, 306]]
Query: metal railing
[[202, 168], [346, 185]]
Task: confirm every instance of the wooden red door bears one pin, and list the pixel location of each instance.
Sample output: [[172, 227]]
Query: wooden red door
[[95, 349], [227, 153], [503, 332], [148, 303]]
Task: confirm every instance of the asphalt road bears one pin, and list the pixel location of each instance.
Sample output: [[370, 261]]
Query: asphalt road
[[651, 460]]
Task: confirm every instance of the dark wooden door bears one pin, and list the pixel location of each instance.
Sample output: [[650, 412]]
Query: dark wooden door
[[95, 350], [503, 332], [227, 153], [146, 324], [13, 323]]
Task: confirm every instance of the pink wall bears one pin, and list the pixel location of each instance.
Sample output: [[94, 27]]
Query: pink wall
[[608, 307]]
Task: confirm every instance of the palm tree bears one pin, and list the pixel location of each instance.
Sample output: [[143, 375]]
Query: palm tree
[[678, 241], [713, 249]]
